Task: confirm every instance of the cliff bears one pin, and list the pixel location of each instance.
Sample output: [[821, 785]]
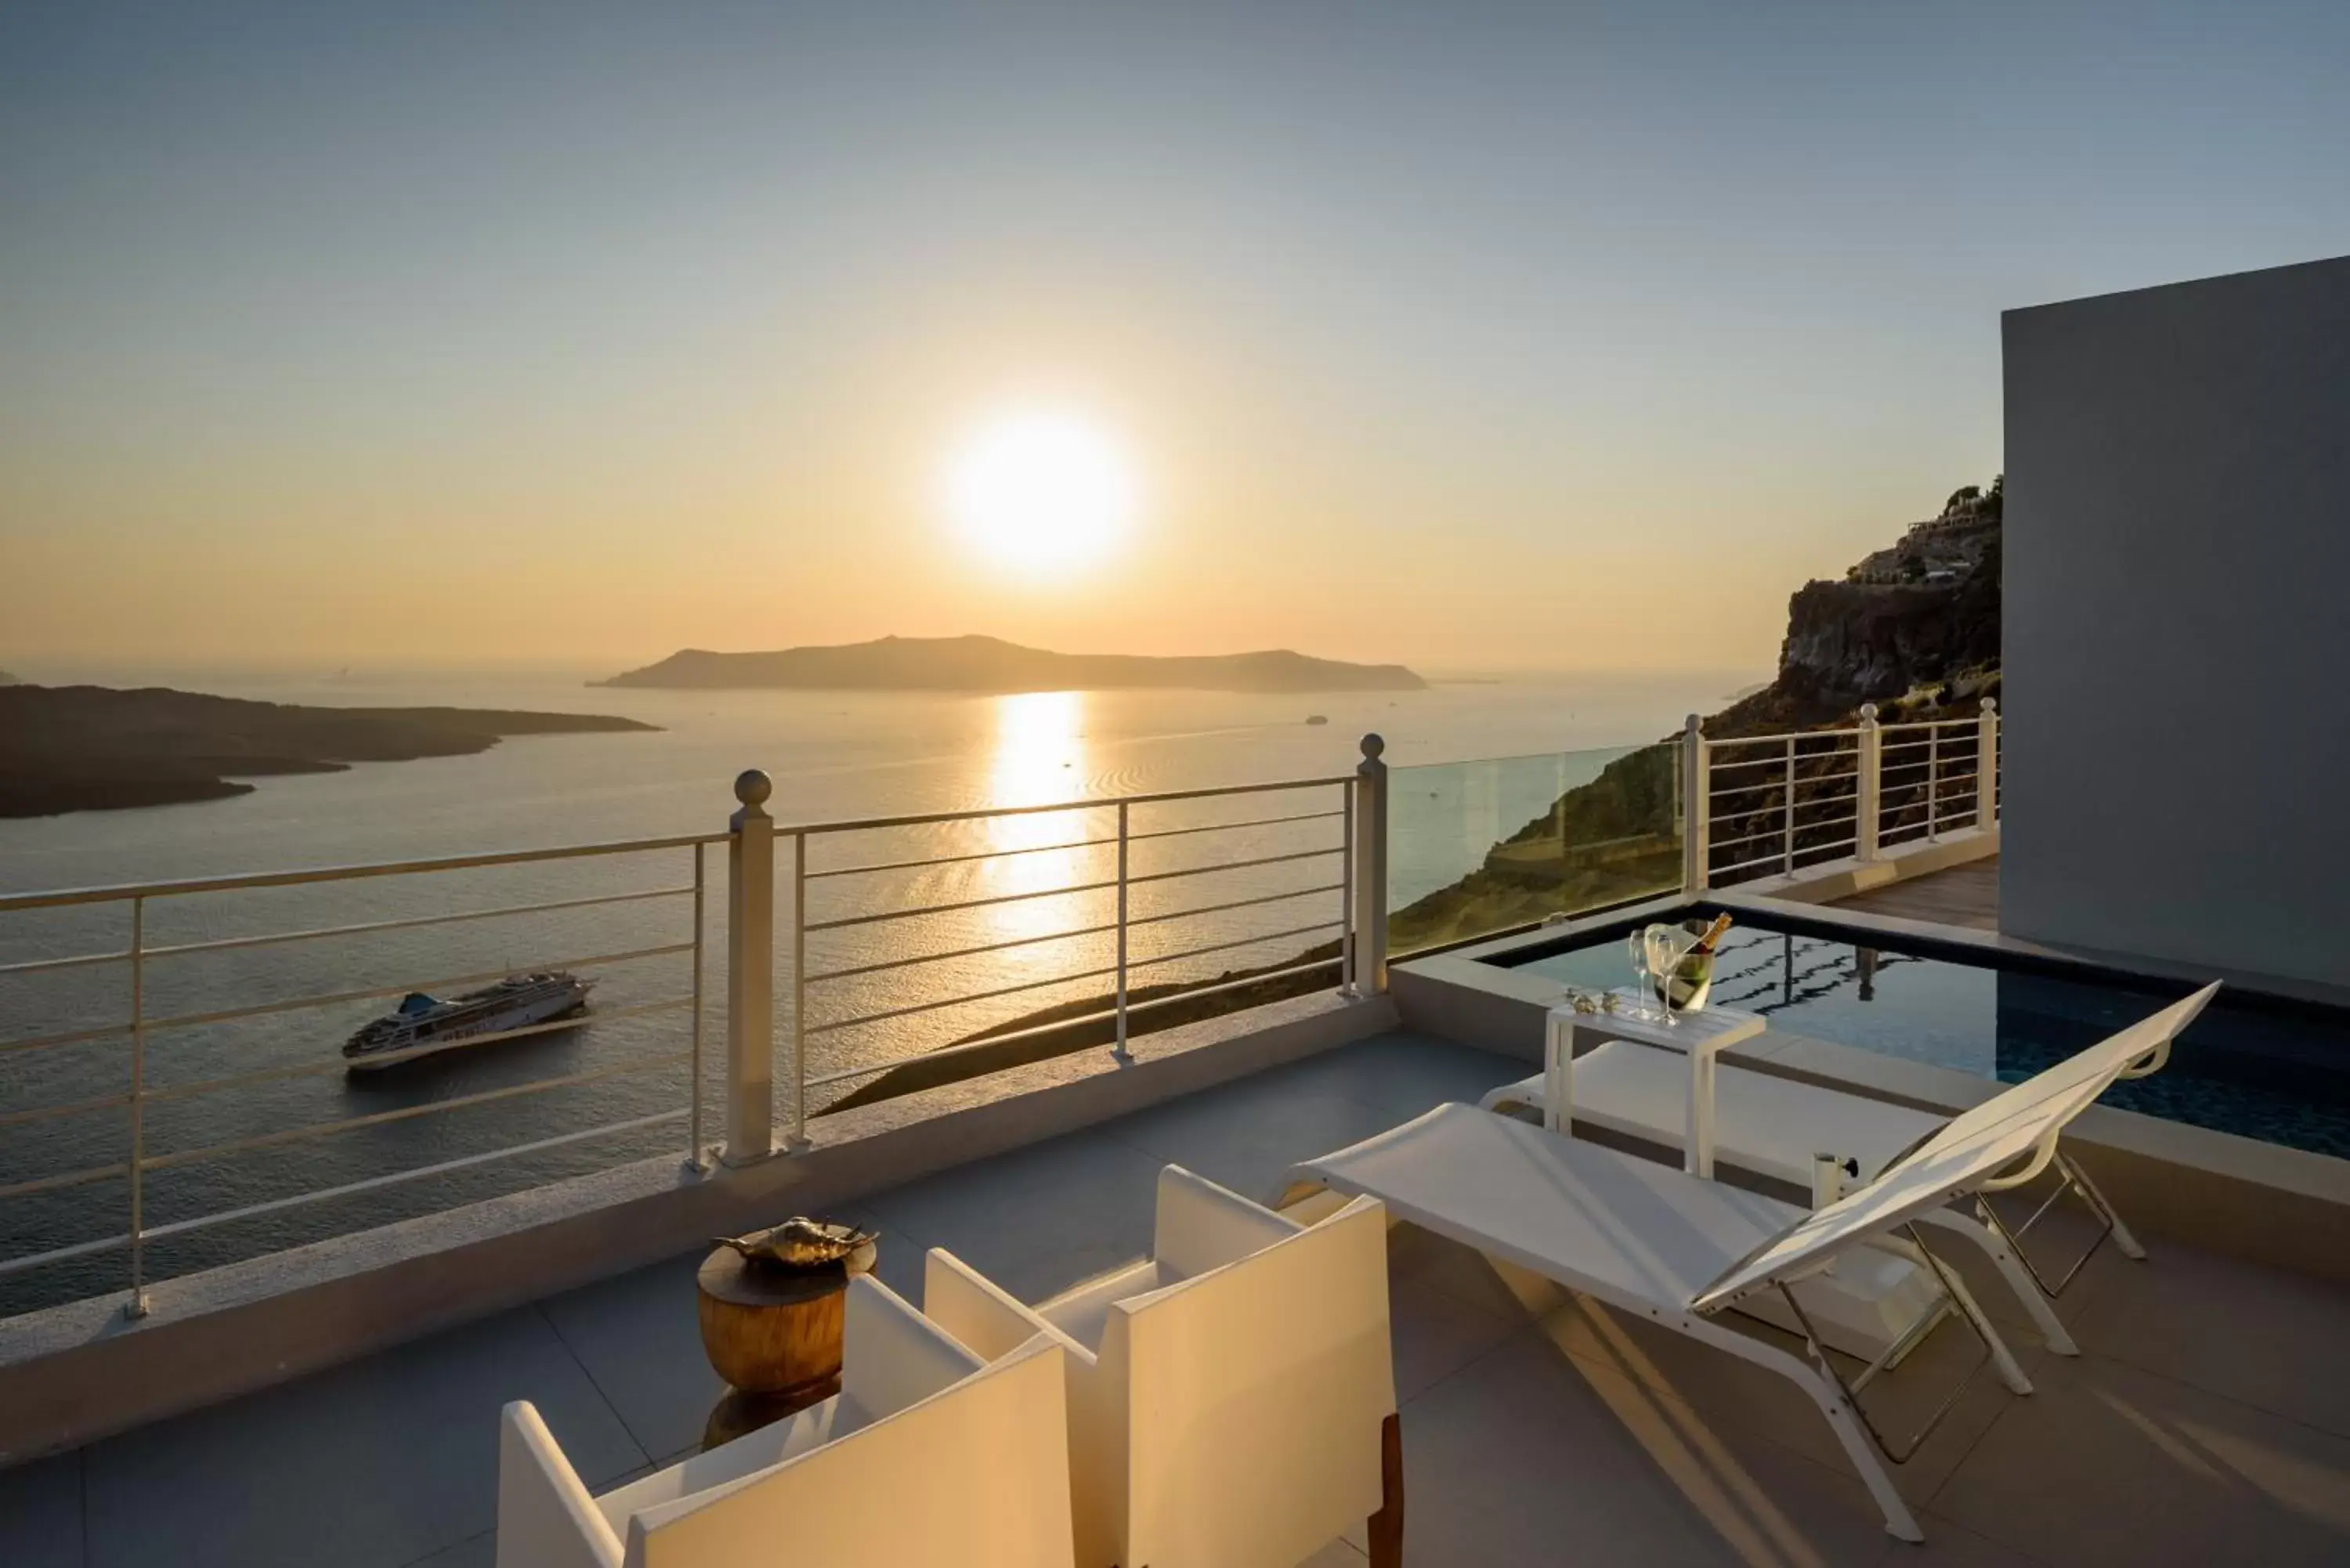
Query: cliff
[[1913, 627], [989, 665], [92, 748]]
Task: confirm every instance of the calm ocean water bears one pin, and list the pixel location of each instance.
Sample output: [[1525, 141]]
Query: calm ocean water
[[832, 757]]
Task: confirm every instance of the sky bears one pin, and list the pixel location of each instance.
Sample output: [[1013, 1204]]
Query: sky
[[1483, 337]]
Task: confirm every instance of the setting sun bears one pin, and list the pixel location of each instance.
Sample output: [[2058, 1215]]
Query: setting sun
[[1041, 491]]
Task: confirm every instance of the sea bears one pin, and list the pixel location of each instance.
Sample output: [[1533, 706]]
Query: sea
[[257, 1140]]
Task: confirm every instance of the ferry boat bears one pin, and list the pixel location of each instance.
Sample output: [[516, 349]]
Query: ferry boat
[[423, 1025]]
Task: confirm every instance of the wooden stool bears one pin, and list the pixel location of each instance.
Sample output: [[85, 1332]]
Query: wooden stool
[[768, 1332]]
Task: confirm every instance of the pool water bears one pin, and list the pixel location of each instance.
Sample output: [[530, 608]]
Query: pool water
[[2275, 1071]]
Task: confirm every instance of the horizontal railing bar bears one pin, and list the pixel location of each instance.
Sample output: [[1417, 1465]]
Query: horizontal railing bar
[[69, 1108], [965, 1047], [956, 859], [1234, 826], [71, 1037], [1070, 934], [61, 1254], [79, 961], [1238, 942], [228, 944], [271, 1206], [925, 819], [874, 920], [1932, 725], [390, 1058], [334, 999], [12, 902], [1236, 904], [1775, 834], [884, 964], [932, 1006], [88, 1173], [1780, 739], [392, 1178], [1745, 864], [406, 1113], [1236, 865]]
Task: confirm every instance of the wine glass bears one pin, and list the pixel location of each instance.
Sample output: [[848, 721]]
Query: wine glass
[[1635, 944], [1667, 947]]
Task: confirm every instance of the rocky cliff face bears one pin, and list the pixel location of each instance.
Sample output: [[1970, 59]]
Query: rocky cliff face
[[1931, 643]]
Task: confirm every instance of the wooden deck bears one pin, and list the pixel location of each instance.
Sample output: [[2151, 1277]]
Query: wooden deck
[[1963, 895]]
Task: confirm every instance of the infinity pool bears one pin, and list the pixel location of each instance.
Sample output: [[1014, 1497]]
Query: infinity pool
[[2266, 1069]]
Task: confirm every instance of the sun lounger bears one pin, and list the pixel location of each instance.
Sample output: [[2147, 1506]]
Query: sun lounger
[[1776, 1126], [1679, 1249]]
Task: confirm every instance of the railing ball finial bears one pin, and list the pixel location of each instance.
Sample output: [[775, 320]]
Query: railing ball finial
[[752, 787], [1869, 713], [1373, 745], [1990, 704]]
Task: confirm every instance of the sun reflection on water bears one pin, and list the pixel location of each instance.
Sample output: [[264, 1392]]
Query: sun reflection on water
[[1039, 758]]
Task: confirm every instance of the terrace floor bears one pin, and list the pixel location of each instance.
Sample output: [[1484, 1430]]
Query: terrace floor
[[2210, 1420], [1964, 895]]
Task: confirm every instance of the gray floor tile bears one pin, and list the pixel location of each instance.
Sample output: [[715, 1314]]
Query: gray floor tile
[[1246, 1136], [1530, 1456], [2269, 1339], [2112, 1464], [40, 1513], [474, 1551], [639, 1337], [379, 1463], [1404, 1073], [1435, 1335], [1035, 1221]]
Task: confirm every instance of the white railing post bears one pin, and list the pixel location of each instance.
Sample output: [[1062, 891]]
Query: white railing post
[[1697, 811], [798, 1140], [1119, 1050], [1987, 765], [697, 1159], [1368, 853], [1346, 893], [751, 973], [137, 1305], [1933, 778], [1869, 786], [1787, 849]]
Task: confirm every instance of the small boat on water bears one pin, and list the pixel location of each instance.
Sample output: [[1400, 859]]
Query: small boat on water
[[422, 1025]]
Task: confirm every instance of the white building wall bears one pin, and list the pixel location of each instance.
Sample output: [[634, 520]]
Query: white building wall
[[2177, 639]]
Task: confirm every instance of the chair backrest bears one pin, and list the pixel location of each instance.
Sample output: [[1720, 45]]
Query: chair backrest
[[893, 1357], [976, 1475], [2019, 1123], [545, 1517], [1254, 1396], [1199, 1226]]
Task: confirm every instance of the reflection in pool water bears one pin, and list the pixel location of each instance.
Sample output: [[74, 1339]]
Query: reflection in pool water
[[2280, 1075]]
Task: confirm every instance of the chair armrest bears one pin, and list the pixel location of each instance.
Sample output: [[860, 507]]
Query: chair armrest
[[545, 1517], [1201, 1226]]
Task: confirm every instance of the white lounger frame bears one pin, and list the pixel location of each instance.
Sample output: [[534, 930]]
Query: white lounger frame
[[2000, 1244], [2007, 1139]]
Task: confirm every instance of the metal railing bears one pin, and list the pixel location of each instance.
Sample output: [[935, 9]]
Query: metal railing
[[140, 1091], [902, 940], [1770, 805]]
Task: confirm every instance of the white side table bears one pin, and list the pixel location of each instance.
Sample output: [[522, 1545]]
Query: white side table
[[1701, 1036]]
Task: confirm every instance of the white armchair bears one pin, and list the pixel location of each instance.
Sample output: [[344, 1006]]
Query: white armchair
[[928, 1454], [1232, 1398]]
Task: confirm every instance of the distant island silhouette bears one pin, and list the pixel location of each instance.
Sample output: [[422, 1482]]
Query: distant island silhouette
[[94, 748], [992, 666]]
